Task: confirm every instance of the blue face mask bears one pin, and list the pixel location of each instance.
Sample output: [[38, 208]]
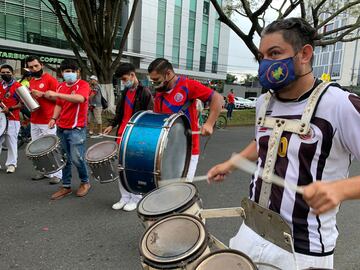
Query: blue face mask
[[276, 74], [128, 84], [70, 77]]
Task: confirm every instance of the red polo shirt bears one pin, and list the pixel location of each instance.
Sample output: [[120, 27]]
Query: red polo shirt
[[73, 115], [45, 112], [173, 100], [9, 98]]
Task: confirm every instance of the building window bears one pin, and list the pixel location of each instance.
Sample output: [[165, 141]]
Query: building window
[[177, 33], [215, 56], [206, 7], [160, 36], [202, 66], [204, 38], [191, 35]]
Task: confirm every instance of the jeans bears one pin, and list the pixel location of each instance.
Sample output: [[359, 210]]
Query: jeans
[[230, 108], [73, 145]]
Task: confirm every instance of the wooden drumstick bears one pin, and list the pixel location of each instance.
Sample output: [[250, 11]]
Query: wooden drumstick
[[250, 167], [183, 179]]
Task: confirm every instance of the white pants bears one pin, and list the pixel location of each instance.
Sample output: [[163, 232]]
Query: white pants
[[39, 130], [128, 196], [192, 168], [261, 250], [10, 139]]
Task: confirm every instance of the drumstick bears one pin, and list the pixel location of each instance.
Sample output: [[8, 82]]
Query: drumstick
[[183, 179], [5, 107], [250, 167]]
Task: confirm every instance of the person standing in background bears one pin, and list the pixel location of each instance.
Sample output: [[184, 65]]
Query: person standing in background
[[95, 106]]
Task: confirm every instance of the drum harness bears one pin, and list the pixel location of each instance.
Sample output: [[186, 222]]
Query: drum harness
[[278, 126]]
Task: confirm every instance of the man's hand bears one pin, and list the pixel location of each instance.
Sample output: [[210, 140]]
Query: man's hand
[[108, 130], [5, 110], [51, 94], [37, 93], [219, 172], [323, 196], [207, 129], [52, 123]]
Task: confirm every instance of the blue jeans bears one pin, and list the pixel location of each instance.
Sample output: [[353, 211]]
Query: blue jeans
[[73, 145], [230, 108]]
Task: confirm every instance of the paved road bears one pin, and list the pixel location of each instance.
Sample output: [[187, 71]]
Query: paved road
[[85, 233]]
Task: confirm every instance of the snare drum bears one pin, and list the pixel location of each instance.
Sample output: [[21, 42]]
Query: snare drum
[[226, 259], [46, 154], [3, 123], [154, 147], [101, 158], [167, 200], [174, 242]]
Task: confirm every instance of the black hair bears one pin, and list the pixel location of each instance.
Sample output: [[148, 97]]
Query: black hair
[[8, 67], [31, 58], [295, 31], [69, 64], [160, 65], [124, 69]]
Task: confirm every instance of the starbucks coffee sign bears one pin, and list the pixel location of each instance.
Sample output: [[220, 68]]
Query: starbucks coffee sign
[[22, 56]]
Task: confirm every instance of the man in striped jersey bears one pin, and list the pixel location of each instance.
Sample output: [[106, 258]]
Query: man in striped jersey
[[320, 148]]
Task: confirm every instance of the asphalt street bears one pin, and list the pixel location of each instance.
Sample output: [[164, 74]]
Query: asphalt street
[[85, 233]]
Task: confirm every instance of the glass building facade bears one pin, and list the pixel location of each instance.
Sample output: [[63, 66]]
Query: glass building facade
[[191, 35], [177, 33], [31, 21], [161, 22]]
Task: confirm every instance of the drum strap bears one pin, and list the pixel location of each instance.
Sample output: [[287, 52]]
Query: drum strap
[[279, 125]]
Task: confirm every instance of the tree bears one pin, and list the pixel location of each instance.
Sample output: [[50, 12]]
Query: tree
[[255, 11], [94, 31], [230, 78]]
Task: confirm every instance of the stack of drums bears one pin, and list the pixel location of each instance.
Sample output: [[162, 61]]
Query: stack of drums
[[176, 237]]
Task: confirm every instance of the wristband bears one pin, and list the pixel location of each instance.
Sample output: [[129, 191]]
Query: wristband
[[53, 118]]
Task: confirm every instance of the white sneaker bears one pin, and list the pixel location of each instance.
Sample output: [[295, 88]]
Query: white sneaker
[[131, 206], [119, 205], [10, 169]]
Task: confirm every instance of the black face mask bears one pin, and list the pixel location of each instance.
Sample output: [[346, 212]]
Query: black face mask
[[6, 77], [37, 74]]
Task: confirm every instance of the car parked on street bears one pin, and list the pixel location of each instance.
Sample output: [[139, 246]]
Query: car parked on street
[[243, 103]]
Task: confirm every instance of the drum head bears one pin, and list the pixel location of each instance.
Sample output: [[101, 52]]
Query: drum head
[[177, 150], [173, 240], [226, 259], [168, 199], [3, 123], [101, 151], [42, 145]]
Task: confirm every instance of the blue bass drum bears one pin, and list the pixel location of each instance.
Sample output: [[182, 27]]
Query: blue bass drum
[[154, 147]]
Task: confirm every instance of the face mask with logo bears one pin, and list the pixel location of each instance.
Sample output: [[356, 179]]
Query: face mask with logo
[[6, 77], [37, 74], [70, 77], [276, 74]]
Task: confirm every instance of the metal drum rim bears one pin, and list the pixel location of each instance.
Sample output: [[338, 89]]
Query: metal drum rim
[[44, 153], [160, 148], [143, 216], [233, 251], [106, 158], [198, 249]]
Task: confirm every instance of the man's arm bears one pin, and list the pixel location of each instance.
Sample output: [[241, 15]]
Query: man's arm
[[323, 196], [55, 116], [76, 98]]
